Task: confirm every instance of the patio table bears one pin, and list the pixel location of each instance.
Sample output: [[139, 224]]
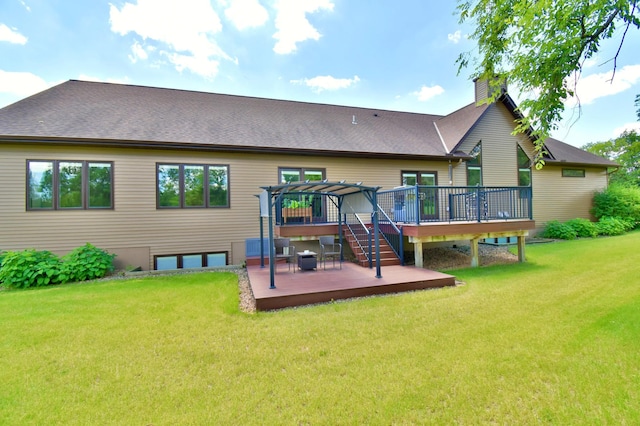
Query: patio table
[[307, 260]]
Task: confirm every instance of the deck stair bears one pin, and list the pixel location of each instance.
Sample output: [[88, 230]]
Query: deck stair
[[387, 255]]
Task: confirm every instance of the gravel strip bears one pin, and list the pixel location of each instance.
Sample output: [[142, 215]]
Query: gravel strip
[[443, 258]]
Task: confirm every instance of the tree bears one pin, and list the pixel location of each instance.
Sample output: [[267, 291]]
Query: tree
[[541, 47], [638, 106], [624, 150]]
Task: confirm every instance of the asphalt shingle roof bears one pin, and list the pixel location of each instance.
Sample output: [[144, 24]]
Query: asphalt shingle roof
[[560, 152], [104, 113], [455, 126]]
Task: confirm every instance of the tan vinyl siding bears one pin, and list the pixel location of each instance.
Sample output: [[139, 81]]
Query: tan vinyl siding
[[481, 90], [564, 198], [135, 228], [499, 149]]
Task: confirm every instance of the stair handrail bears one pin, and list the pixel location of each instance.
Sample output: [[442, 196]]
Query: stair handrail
[[367, 232], [399, 251]]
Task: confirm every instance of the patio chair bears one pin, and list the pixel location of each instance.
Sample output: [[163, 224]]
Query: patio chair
[[284, 250], [329, 248]]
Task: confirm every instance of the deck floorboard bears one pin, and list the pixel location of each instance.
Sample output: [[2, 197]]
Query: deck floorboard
[[318, 286]]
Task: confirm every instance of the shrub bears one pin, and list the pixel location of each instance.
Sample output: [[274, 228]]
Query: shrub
[[613, 226], [30, 268], [555, 229], [584, 228], [618, 201], [87, 263]]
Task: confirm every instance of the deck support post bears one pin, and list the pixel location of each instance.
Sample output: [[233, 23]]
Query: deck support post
[[475, 256], [418, 254], [521, 255]]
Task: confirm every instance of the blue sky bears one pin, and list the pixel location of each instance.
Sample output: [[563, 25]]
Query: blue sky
[[388, 55]]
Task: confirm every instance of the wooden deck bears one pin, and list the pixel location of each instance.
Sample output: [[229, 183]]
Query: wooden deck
[[309, 287]]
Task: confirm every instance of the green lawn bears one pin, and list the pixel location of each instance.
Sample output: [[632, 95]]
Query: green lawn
[[555, 340]]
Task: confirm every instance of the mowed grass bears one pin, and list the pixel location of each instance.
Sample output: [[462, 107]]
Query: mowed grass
[[555, 340]]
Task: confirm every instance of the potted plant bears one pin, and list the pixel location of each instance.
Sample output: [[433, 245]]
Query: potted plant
[[297, 208]]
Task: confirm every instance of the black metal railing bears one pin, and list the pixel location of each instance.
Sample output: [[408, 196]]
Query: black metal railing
[[391, 233], [416, 204], [361, 233]]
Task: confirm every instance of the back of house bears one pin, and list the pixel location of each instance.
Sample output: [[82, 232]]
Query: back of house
[[168, 178]]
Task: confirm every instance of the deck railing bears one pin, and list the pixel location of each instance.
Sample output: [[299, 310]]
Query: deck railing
[[420, 204], [392, 233], [361, 233]]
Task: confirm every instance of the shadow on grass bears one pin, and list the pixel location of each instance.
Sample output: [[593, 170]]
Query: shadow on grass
[[500, 270]]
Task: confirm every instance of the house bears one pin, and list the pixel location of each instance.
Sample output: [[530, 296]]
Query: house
[[167, 178]]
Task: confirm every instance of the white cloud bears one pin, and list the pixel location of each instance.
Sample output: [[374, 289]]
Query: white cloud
[[26, 6], [246, 14], [634, 125], [11, 35], [292, 24], [185, 27], [21, 84], [455, 37], [138, 52], [596, 86], [327, 82], [427, 93], [194, 64]]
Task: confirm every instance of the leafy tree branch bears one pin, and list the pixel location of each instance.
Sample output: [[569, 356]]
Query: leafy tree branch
[[541, 47]]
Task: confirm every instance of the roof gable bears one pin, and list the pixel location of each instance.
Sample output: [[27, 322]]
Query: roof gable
[[453, 128]]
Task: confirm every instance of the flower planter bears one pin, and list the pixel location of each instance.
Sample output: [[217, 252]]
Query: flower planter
[[303, 212]]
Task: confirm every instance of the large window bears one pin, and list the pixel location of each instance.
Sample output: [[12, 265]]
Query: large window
[[61, 185], [474, 166], [428, 197], [289, 175], [524, 168], [301, 174], [192, 185], [419, 178]]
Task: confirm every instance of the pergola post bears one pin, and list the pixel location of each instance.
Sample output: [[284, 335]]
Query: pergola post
[[272, 254], [340, 199], [376, 230]]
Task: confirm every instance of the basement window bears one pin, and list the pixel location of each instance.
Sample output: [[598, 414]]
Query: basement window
[[189, 261]]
